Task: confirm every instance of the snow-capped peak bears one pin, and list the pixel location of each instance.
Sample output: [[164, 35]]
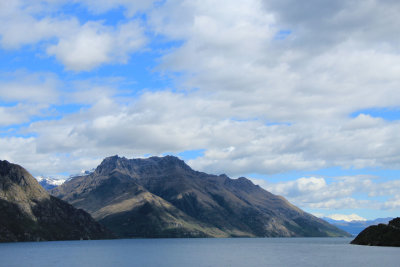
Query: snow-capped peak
[[49, 180]]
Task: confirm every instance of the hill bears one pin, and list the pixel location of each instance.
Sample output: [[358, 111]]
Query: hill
[[380, 235], [29, 213]]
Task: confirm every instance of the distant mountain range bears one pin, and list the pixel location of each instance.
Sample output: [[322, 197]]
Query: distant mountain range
[[49, 183], [355, 227], [29, 213], [164, 197]]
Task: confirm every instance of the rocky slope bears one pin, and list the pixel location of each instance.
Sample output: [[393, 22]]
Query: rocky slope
[[29, 213], [380, 235], [164, 197]]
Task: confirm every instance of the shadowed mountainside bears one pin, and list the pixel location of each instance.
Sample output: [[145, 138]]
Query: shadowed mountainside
[[164, 197], [29, 213], [380, 235]]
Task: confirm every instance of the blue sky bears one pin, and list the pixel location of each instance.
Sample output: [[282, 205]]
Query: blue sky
[[304, 101]]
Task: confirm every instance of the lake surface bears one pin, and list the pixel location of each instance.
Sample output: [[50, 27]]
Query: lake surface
[[198, 252]]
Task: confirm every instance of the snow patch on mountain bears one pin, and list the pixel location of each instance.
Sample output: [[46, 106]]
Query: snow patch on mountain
[[48, 182]]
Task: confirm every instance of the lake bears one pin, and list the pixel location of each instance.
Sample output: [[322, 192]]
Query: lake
[[198, 252]]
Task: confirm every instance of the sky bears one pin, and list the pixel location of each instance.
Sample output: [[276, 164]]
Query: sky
[[300, 97]]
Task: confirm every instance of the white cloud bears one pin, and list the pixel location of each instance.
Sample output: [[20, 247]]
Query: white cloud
[[26, 95], [311, 190], [22, 86], [393, 203], [78, 47], [342, 193], [261, 105], [94, 44], [18, 25], [20, 113], [23, 151], [159, 122], [239, 59]]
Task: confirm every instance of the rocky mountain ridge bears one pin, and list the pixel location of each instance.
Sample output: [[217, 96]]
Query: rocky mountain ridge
[[164, 197]]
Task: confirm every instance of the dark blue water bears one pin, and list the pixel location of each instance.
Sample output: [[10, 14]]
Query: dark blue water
[[199, 252]]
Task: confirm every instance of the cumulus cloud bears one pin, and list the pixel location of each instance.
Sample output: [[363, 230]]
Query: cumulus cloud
[[78, 47], [309, 91], [314, 191], [349, 192], [238, 58], [364, 21], [263, 87], [26, 95], [20, 27], [94, 44], [159, 122]]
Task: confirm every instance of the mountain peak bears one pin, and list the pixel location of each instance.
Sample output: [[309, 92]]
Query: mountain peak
[[16, 180], [123, 164], [10, 170], [110, 159], [5, 167], [109, 164]]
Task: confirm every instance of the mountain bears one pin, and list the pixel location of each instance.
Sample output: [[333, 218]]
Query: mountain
[[380, 235], [49, 183], [164, 197], [355, 227], [29, 213]]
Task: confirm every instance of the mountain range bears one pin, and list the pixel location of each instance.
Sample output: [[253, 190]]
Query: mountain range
[[164, 197], [29, 213], [355, 227], [48, 182]]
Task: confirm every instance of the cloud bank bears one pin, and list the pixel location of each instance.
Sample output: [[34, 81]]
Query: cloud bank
[[261, 87]]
